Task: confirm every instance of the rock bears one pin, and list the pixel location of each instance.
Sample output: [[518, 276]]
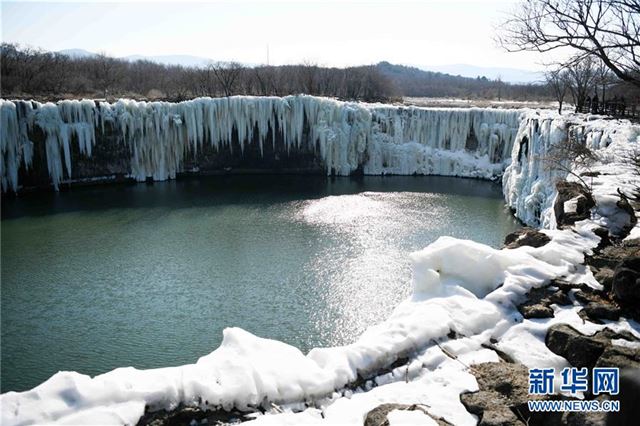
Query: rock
[[626, 281], [536, 311], [560, 298], [539, 300], [619, 356], [578, 349], [503, 395], [590, 351], [378, 416], [526, 237], [624, 205], [596, 310], [612, 255], [186, 415], [576, 195], [605, 277], [578, 418], [605, 241], [629, 396]]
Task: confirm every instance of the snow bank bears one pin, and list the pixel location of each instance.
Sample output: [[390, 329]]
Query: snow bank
[[529, 184], [345, 136]]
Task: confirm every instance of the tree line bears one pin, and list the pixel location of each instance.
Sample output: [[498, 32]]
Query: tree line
[[33, 72], [30, 72]]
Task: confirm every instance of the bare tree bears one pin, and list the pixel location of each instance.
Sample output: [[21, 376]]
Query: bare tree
[[571, 156], [105, 72], [558, 81], [604, 78], [228, 74], [499, 85], [581, 75], [606, 29]]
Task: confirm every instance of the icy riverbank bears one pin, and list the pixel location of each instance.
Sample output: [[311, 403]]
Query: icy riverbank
[[463, 310]]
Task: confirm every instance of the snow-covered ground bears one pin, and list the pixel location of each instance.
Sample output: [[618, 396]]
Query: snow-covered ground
[[458, 285]]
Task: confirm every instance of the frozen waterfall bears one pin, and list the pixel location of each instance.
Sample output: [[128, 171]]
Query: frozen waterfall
[[158, 136]]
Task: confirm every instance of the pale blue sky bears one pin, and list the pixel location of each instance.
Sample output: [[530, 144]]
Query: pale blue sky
[[336, 33]]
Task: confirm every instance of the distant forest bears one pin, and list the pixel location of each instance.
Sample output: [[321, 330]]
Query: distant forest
[[32, 73]]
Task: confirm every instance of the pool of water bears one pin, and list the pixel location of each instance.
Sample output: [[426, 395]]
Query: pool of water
[[149, 275]]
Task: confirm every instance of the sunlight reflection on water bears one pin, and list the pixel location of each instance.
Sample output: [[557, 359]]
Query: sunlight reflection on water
[[148, 276]]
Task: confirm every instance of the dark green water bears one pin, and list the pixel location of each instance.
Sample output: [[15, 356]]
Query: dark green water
[[149, 275]]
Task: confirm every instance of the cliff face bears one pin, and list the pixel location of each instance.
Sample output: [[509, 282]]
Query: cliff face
[[50, 144]]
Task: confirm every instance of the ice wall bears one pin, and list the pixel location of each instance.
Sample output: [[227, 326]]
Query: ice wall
[[529, 182], [375, 138]]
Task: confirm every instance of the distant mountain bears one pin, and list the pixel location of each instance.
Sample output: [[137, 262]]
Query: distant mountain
[[184, 60], [415, 82], [509, 75], [77, 53]]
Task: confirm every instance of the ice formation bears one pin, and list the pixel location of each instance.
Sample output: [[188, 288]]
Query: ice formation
[[529, 183], [345, 136], [459, 285]]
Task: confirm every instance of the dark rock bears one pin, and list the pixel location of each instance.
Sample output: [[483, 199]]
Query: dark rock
[[578, 418], [526, 237], [624, 205], [619, 356], [585, 296], [605, 277], [578, 349], [612, 255], [536, 311], [503, 395], [602, 311], [560, 298], [589, 351], [568, 191], [185, 415], [378, 416], [626, 281], [539, 300], [605, 241], [628, 396]]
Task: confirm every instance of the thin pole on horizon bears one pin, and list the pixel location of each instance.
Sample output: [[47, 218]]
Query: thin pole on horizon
[[267, 54]]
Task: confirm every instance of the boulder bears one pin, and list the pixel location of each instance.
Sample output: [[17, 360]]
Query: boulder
[[626, 281], [526, 237], [628, 396], [590, 351], [539, 300], [578, 349], [598, 311], [503, 395], [573, 203]]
